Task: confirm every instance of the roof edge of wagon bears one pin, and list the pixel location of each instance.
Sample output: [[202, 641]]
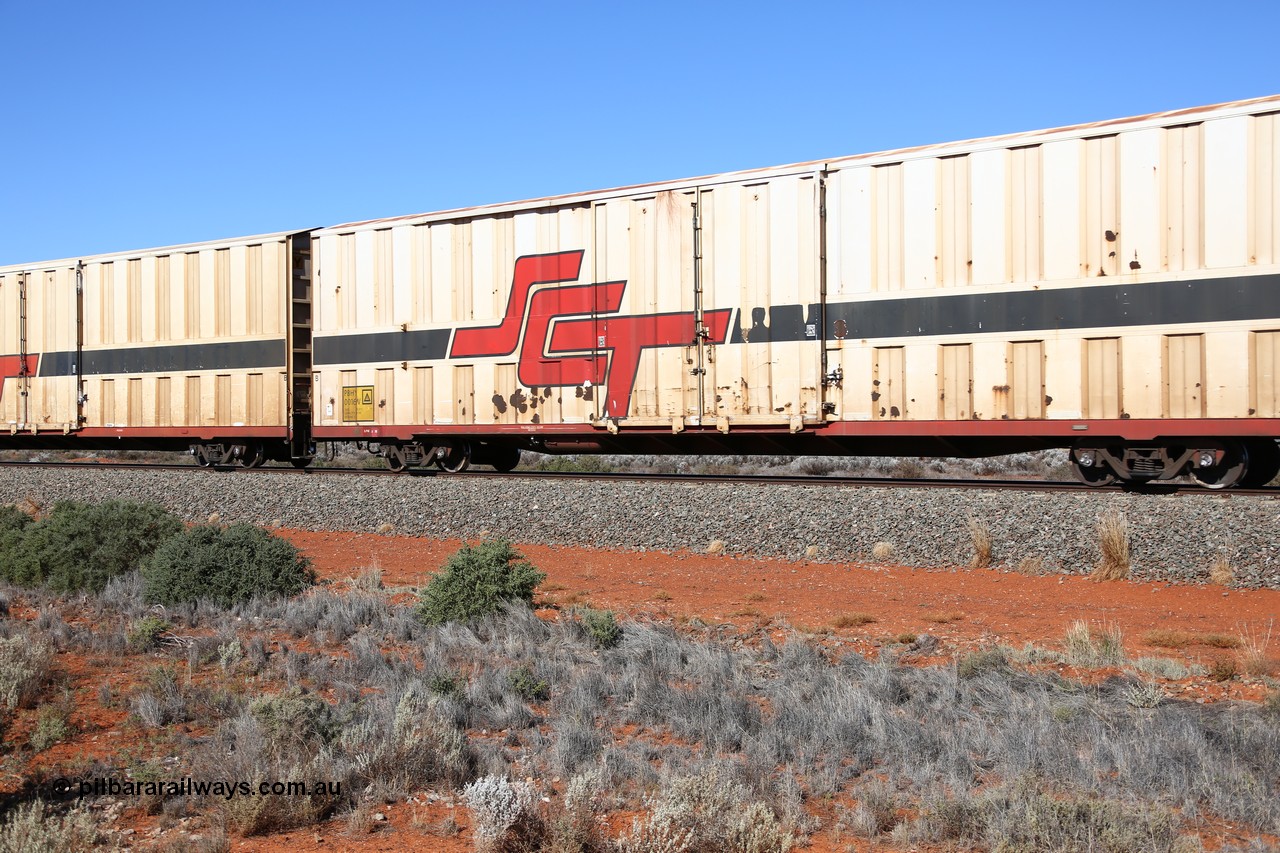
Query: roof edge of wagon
[[1084, 130], [151, 252]]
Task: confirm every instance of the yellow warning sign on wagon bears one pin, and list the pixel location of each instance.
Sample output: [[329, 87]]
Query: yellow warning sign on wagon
[[357, 402]]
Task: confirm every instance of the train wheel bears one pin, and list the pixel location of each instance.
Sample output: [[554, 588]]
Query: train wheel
[[253, 456], [1264, 463], [505, 459], [1089, 473], [1228, 472], [456, 460], [394, 454], [202, 457]]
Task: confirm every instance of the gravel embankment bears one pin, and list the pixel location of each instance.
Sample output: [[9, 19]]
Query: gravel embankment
[[1173, 537]]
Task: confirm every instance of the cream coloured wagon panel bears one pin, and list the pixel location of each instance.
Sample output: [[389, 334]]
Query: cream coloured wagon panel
[[889, 384], [1264, 374], [1184, 362], [1062, 166], [955, 382], [1226, 191], [1101, 372], [647, 242], [760, 258]]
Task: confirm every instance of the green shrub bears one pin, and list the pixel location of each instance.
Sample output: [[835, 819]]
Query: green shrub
[[224, 565], [144, 634], [601, 626], [478, 580], [81, 546], [295, 719], [527, 685], [53, 725], [13, 525], [981, 662]]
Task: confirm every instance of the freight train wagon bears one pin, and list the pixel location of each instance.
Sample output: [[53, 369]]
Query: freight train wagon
[[204, 346], [1109, 287]]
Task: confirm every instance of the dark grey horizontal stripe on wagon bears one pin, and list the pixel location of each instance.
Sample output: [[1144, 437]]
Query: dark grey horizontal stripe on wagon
[[416, 345], [1208, 300], [169, 358]]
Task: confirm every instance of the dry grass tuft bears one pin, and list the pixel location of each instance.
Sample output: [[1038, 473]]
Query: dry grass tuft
[[944, 617], [661, 595], [1253, 655], [811, 552], [368, 580], [214, 518], [31, 507], [1085, 648], [1113, 539], [716, 546], [1221, 572], [757, 596], [386, 527], [980, 535], [882, 551], [1032, 565], [852, 620], [1223, 669], [1167, 639]]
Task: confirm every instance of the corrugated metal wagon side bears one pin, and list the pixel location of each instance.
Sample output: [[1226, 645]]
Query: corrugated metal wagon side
[[166, 348], [1109, 287]]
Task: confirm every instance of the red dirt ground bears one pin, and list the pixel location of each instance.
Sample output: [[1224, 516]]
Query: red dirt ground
[[964, 609]]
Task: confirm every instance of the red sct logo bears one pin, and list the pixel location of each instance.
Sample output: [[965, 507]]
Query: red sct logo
[[571, 334]]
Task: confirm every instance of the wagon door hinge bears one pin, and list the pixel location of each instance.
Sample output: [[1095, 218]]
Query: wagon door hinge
[[834, 377]]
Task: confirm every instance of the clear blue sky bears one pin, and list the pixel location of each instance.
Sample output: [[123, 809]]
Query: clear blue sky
[[136, 124]]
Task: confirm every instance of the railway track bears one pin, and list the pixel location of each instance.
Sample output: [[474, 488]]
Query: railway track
[[738, 479]]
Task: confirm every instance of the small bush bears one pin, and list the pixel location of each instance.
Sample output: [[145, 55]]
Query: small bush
[[503, 816], [160, 700], [882, 551], [979, 663], [1144, 694], [29, 830], [144, 634], [24, 667], [451, 685], [478, 580], [225, 566], [527, 685], [13, 526], [53, 725], [81, 546], [601, 626], [294, 719], [1223, 669]]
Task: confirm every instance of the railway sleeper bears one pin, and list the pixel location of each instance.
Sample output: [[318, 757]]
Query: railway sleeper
[[1211, 463]]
